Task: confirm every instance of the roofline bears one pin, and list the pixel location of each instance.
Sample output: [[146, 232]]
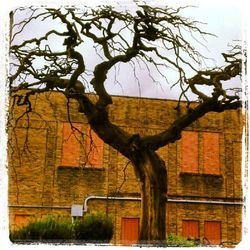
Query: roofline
[[129, 97], [154, 98], [133, 97]]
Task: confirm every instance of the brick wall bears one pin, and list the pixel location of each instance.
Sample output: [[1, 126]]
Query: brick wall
[[41, 182]]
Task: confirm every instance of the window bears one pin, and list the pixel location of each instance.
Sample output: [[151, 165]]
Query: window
[[130, 231], [212, 232], [190, 229], [71, 145], [209, 146], [93, 150], [211, 153], [189, 152], [21, 220]]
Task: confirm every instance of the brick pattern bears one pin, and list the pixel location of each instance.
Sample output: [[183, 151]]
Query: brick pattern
[[234, 173], [40, 180], [229, 216], [27, 172]]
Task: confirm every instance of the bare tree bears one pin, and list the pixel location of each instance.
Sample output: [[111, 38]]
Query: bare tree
[[159, 38]]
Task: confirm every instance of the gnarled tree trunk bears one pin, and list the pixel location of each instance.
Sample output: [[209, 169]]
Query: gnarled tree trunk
[[152, 172]]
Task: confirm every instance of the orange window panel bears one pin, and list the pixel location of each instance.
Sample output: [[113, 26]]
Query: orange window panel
[[212, 232], [189, 152], [71, 145], [130, 231], [211, 153], [21, 220], [190, 229], [94, 149]]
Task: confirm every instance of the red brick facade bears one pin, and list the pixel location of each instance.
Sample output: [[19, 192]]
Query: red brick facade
[[52, 167]]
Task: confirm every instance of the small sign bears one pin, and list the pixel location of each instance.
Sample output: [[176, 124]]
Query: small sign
[[76, 210]]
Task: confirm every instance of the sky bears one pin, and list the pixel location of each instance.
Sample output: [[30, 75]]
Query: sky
[[224, 21]]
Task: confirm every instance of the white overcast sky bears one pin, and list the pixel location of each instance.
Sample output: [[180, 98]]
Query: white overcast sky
[[223, 20]]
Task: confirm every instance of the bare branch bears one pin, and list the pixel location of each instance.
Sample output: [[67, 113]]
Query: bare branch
[[153, 36]]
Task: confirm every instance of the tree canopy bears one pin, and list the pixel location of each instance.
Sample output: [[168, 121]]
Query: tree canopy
[[159, 38], [155, 36]]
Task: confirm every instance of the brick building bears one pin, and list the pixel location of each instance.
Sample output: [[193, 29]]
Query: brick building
[[52, 167]]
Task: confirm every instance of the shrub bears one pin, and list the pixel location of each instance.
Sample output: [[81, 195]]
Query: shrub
[[44, 230], [91, 228], [94, 228], [178, 241]]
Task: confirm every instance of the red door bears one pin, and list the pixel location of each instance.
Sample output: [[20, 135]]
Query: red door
[[130, 231], [190, 229], [212, 232]]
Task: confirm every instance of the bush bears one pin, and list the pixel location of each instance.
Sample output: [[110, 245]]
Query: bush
[[178, 241], [44, 230], [90, 228], [94, 228]]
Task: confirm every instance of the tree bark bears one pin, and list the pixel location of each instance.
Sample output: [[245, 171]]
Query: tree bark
[[152, 173]]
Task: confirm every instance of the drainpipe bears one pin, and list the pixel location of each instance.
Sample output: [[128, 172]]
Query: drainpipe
[[92, 197], [206, 202], [39, 206]]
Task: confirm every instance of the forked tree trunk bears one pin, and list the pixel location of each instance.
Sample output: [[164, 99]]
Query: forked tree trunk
[[153, 177]]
